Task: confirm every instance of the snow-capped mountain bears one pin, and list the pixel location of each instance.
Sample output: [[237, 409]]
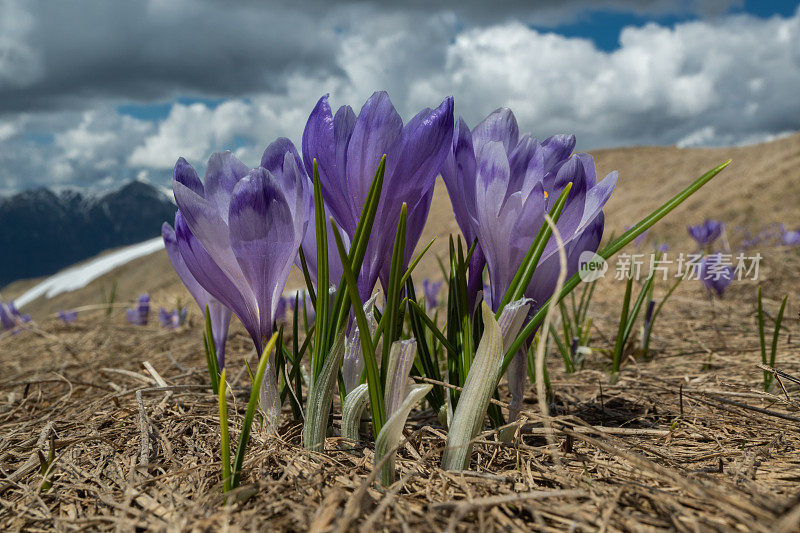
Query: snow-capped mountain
[[42, 231]]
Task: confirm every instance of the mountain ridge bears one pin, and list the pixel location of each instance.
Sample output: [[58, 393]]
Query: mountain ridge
[[42, 231]]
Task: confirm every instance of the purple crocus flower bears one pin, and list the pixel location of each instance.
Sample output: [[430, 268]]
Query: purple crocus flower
[[502, 185], [715, 273], [431, 291], [68, 317], [790, 238], [10, 317], [348, 149], [138, 315], [219, 314], [707, 232], [239, 234], [662, 248], [172, 319]]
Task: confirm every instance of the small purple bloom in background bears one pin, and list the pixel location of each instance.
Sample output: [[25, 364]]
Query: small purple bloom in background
[[348, 149], [172, 319], [707, 232], [715, 274], [790, 238], [663, 248], [431, 291], [10, 316], [139, 314], [68, 317]]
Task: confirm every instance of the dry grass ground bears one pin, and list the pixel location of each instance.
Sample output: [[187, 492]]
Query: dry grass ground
[[684, 441]]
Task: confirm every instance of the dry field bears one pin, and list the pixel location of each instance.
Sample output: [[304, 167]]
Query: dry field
[[686, 440]]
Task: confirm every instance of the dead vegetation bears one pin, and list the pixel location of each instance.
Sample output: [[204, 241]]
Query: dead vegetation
[[685, 441]]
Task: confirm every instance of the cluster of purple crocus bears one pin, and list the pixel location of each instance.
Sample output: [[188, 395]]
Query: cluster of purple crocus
[[771, 235], [68, 317], [10, 317], [238, 231], [138, 315], [502, 184]]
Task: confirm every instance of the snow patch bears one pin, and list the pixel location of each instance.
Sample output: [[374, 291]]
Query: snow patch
[[78, 277]]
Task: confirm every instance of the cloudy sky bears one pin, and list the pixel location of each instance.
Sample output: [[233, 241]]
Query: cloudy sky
[[95, 93]]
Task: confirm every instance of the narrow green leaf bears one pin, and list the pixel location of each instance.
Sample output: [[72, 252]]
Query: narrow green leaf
[[420, 313], [394, 289], [211, 353], [320, 397], [367, 348], [224, 435], [619, 346], [358, 247], [244, 437], [320, 351], [415, 262]]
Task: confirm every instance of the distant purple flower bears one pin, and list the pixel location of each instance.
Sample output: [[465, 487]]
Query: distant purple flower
[[68, 317], [431, 291], [219, 314], [663, 248], [172, 319], [10, 317], [138, 315], [750, 242], [239, 234], [348, 149], [715, 273], [707, 232], [790, 238]]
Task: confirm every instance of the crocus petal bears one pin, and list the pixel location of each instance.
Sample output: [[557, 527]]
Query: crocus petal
[[213, 279], [201, 296], [377, 129], [557, 148], [275, 154], [222, 174], [262, 239], [458, 172], [412, 167], [499, 126], [325, 139], [546, 274], [209, 226]]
